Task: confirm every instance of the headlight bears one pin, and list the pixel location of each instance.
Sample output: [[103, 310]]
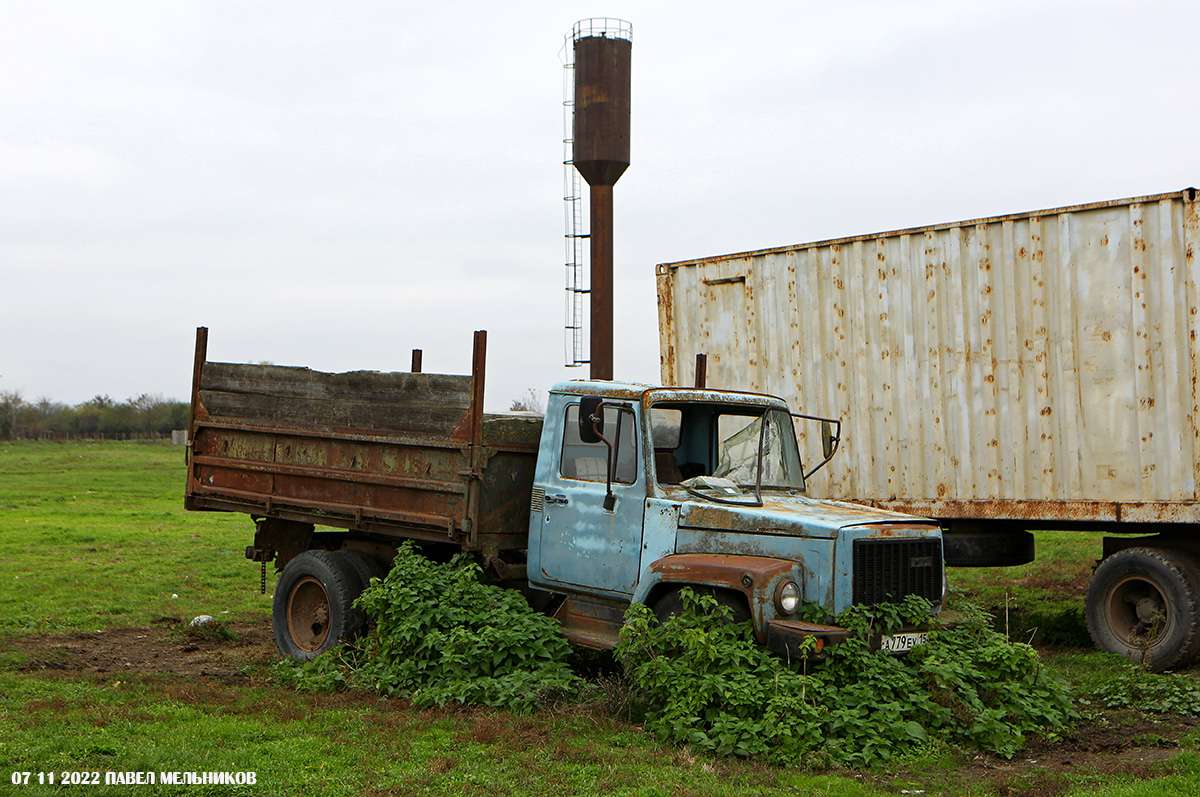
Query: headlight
[[787, 597]]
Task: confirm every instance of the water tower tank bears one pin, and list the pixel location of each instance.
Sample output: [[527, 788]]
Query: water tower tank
[[601, 136]]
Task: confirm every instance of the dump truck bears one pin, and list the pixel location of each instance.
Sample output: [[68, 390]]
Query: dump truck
[[620, 493], [1035, 371]]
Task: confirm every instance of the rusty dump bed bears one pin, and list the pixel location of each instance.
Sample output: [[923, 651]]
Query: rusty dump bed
[[388, 455]]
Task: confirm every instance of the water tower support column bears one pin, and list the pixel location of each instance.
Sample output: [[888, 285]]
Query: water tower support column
[[601, 227]]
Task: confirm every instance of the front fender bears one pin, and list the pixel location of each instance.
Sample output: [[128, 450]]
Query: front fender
[[755, 577]]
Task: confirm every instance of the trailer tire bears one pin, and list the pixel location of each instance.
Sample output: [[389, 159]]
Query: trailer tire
[[671, 603], [312, 611], [1144, 604]]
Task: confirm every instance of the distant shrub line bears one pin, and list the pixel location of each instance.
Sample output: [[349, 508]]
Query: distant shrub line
[[99, 418]]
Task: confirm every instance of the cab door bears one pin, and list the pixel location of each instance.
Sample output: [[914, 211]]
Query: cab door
[[582, 544]]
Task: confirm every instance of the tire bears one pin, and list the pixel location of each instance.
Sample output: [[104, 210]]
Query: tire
[[312, 610], [366, 566], [671, 603], [1144, 604]]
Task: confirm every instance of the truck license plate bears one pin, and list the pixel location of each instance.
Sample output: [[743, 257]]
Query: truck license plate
[[902, 643]]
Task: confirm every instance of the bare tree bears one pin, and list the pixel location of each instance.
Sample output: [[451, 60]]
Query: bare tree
[[529, 401]]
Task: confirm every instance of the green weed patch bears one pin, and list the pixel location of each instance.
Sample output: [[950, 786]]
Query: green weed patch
[[706, 683], [442, 636], [1165, 693]]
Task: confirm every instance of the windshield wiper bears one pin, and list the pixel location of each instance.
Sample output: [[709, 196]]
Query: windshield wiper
[[718, 500]]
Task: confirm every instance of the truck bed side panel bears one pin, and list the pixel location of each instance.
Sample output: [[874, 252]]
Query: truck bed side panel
[[386, 453]]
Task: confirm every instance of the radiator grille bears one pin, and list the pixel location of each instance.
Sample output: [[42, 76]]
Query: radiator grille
[[887, 570]]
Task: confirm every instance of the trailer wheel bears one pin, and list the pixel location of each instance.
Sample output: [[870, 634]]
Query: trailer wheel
[[313, 610], [1143, 604], [671, 603]]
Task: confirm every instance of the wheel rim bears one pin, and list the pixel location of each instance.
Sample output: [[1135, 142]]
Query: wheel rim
[[308, 614], [1137, 612]]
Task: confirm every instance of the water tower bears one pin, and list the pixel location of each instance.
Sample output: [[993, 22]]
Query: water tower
[[600, 61]]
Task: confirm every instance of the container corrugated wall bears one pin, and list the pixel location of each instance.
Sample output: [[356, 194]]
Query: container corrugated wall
[[1035, 366]]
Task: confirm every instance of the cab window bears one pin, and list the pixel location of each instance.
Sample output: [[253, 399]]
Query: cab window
[[587, 461]]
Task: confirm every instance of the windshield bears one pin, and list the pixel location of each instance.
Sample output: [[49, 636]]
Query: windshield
[[713, 449], [740, 441]]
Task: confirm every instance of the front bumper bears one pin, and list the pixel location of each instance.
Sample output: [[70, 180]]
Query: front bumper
[[786, 637]]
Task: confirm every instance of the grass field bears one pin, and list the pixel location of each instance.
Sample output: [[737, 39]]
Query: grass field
[[93, 537]]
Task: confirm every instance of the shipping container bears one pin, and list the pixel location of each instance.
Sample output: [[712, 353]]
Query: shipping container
[[1039, 365], [1030, 371]]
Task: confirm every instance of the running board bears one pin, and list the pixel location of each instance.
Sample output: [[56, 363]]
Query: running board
[[590, 622]]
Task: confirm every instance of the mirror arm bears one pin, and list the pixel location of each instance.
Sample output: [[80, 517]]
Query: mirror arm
[[836, 439]]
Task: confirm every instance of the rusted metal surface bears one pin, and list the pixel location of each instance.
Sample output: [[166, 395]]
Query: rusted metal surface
[[197, 366], [785, 638], [601, 291], [600, 152], [650, 394], [477, 456], [756, 577], [718, 570], [795, 514], [453, 474], [701, 380], [1034, 367], [308, 614], [1065, 511], [600, 147], [591, 623], [279, 540]]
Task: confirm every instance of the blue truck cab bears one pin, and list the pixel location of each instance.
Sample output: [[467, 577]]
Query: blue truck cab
[[640, 491]]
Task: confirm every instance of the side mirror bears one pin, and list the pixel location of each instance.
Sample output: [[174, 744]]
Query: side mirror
[[826, 440], [591, 421]]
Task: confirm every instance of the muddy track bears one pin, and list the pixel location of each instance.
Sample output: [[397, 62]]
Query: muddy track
[[166, 647]]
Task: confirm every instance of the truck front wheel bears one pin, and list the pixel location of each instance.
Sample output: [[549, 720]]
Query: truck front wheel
[[672, 603], [313, 610], [1143, 604]]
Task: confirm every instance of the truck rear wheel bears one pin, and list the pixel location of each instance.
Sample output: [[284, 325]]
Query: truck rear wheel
[[1144, 604], [313, 610], [366, 566]]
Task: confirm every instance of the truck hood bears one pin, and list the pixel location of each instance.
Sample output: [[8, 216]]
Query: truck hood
[[789, 515]]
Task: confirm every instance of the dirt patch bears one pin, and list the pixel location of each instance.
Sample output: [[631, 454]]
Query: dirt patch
[[165, 647]]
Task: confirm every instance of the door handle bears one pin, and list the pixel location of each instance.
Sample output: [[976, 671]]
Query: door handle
[[556, 499]]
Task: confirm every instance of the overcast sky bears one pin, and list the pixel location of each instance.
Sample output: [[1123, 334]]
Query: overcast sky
[[333, 184]]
